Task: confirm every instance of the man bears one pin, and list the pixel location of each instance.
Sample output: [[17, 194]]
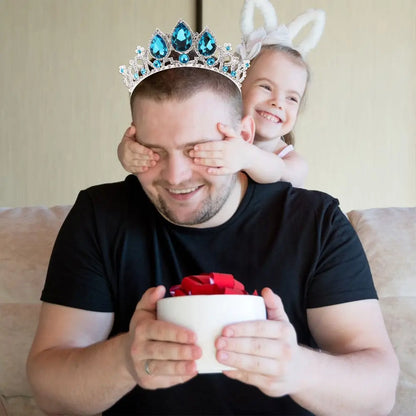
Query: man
[[99, 348]]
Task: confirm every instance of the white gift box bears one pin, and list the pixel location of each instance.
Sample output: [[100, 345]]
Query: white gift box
[[207, 315]]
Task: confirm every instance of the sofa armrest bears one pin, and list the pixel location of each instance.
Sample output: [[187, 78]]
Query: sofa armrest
[[388, 236]]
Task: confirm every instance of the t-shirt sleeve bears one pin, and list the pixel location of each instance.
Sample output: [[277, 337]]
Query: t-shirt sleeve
[[342, 273], [76, 274]]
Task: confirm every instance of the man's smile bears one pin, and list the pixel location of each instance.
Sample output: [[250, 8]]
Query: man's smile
[[183, 193]]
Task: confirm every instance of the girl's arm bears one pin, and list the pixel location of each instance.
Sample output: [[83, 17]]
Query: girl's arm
[[233, 154], [296, 169]]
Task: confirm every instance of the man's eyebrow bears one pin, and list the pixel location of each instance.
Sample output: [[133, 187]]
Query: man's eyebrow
[[189, 144], [143, 143], [264, 79], [147, 144]]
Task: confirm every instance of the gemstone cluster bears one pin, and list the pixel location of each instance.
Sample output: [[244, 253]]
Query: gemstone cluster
[[183, 48]]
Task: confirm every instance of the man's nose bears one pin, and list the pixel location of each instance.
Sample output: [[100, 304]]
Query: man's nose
[[178, 169]]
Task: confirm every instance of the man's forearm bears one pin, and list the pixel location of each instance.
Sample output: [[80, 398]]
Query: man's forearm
[[80, 381], [359, 383]]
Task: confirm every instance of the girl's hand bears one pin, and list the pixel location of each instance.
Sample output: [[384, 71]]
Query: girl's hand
[[222, 157], [135, 157]]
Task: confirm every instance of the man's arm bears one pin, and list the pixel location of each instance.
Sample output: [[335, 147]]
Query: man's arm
[[358, 371], [73, 368], [355, 373]]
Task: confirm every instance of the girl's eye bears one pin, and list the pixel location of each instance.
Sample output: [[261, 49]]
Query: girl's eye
[[294, 99], [266, 87]]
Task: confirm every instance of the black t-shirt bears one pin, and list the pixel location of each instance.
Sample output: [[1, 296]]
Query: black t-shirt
[[114, 245]]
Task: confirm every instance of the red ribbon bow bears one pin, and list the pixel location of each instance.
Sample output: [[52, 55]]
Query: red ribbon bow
[[209, 284]]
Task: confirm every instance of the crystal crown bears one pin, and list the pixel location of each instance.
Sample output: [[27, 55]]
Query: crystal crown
[[183, 48]]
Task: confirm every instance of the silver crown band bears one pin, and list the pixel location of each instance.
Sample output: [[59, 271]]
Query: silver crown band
[[183, 48]]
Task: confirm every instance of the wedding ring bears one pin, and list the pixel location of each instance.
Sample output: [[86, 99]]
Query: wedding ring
[[147, 368]]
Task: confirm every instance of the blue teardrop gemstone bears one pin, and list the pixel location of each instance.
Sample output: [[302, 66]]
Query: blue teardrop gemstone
[[206, 44], [181, 37], [158, 47]]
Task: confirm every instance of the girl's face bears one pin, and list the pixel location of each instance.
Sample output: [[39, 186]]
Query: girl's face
[[272, 92]]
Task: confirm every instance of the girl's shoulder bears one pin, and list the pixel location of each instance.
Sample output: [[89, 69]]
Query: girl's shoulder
[[285, 150]]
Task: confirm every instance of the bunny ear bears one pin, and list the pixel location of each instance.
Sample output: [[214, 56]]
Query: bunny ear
[[318, 19], [247, 16]]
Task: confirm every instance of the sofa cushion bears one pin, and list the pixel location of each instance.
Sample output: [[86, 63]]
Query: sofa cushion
[[20, 406], [389, 239], [26, 239], [17, 328]]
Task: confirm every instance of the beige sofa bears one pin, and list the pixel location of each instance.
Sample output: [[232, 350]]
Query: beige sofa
[[26, 239]]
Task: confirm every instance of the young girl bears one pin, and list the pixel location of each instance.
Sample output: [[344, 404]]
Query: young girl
[[272, 93]]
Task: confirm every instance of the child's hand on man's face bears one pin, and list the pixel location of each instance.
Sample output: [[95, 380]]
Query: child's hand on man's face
[[222, 157], [135, 157]]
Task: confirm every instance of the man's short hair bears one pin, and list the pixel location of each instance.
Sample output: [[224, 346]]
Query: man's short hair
[[181, 83]]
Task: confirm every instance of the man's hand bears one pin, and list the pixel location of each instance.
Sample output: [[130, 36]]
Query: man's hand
[[159, 354], [264, 353], [135, 157]]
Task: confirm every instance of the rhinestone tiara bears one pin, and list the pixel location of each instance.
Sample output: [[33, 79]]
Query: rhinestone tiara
[[183, 48]]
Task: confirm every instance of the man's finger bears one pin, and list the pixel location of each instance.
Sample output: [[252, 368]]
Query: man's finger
[[150, 297], [265, 328], [168, 332], [274, 306]]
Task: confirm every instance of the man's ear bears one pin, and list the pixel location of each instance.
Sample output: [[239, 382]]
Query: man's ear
[[248, 129]]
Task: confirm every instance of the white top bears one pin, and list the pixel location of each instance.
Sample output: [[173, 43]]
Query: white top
[[286, 151]]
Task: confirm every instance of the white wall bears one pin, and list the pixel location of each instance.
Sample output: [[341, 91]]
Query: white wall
[[63, 107]]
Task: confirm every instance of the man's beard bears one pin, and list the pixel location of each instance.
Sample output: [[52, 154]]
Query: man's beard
[[210, 207]]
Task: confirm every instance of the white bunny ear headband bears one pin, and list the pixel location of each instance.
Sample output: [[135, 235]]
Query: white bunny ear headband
[[272, 33]]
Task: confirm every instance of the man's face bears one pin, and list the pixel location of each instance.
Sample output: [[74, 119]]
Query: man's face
[[183, 192]]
